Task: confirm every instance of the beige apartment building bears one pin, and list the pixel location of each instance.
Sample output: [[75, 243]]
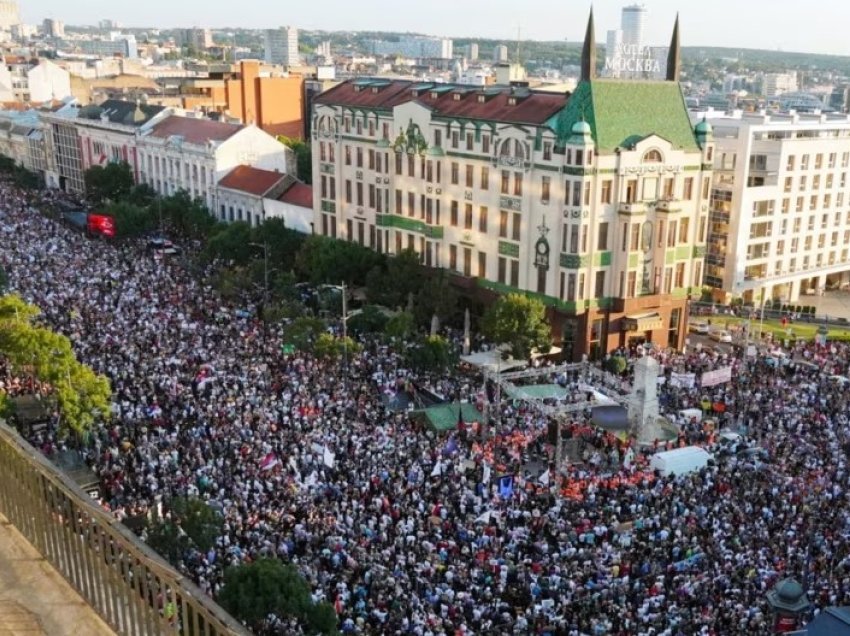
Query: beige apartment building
[[780, 213], [596, 202]]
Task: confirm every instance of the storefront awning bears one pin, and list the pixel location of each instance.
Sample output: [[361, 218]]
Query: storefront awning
[[643, 322]]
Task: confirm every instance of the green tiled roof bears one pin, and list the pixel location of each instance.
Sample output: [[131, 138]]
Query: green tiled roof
[[622, 112]]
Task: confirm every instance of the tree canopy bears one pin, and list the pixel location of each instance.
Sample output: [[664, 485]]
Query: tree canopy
[[520, 322], [303, 157], [83, 396], [109, 183], [326, 260], [392, 285], [254, 591]]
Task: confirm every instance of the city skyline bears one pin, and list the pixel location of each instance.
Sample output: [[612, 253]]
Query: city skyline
[[702, 25]]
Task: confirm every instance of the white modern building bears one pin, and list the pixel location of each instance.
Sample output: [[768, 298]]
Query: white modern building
[[500, 53], [632, 24], [281, 46], [53, 28], [415, 47], [194, 154], [780, 205], [121, 44], [10, 14], [776, 84]]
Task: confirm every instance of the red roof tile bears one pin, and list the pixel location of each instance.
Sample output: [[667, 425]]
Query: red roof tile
[[251, 180], [195, 131], [292, 129], [528, 107], [299, 194]]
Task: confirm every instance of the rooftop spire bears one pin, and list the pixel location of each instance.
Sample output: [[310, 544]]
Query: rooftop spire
[[588, 52], [674, 57]]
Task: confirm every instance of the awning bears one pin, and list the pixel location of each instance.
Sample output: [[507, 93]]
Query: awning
[[643, 322]]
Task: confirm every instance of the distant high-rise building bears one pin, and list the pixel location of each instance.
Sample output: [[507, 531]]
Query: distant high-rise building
[[10, 15], [473, 52], [282, 46], [109, 25], [415, 46], [53, 28], [613, 42], [777, 83], [500, 53], [632, 23], [324, 49], [198, 39]]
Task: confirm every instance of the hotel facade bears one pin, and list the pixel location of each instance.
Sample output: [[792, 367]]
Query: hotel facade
[[595, 202], [780, 210]]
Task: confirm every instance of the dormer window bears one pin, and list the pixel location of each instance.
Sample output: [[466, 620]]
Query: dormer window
[[456, 97], [482, 99], [653, 156], [511, 101], [375, 89]]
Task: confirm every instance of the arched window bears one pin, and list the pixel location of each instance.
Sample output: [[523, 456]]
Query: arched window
[[512, 148], [653, 156]]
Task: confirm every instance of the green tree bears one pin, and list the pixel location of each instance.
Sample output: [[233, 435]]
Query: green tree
[[430, 353], [520, 322], [253, 591], [400, 326], [616, 364], [303, 157], [187, 216], [83, 396], [143, 195], [202, 524], [109, 183], [330, 347], [284, 243], [131, 220], [392, 286], [436, 296], [370, 320], [231, 242], [304, 332], [326, 260]]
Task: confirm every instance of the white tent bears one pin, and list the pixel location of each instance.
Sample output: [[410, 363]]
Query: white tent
[[491, 361]]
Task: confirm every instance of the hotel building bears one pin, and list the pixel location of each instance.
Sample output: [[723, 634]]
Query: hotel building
[[595, 202], [780, 209]]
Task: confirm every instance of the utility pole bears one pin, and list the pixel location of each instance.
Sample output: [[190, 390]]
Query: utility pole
[[344, 335]]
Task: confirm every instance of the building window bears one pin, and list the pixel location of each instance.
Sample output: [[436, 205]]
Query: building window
[[675, 319], [506, 182], [607, 186], [455, 173], [602, 236], [517, 225], [469, 141], [372, 196], [547, 151], [518, 184], [359, 193], [514, 273], [567, 192], [545, 186], [571, 287], [599, 285], [671, 234], [429, 171], [411, 204], [485, 178], [482, 219], [573, 239], [467, 261], [503, 224], [635, 242], [485, 144], [680, 275], [631, 288], [411, 166], [596, 338], [587, 193], [455, 138], [482, 265], [398, 163], [502, 270], [469, 172], [453, 214], [467, 217], [359, 157], [398, 201]]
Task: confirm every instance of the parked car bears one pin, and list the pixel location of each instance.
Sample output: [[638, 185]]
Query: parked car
[[721, 335], [160, 245], [699, 327]]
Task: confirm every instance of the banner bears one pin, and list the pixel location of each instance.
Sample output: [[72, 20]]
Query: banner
[[718, 376], [683, 380]]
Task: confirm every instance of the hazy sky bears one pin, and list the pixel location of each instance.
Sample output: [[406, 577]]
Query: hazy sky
[[766, 24]]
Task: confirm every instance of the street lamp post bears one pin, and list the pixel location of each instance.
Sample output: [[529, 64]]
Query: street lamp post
[[265, 247]]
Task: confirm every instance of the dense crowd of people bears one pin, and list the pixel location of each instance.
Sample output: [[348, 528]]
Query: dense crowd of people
[[408, 532]]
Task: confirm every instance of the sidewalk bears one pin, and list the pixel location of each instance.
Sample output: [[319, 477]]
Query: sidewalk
[[34, 598]]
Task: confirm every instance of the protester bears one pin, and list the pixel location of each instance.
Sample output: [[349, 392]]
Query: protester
[[394, 525]]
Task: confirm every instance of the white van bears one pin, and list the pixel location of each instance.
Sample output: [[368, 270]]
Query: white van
[[680, 461]]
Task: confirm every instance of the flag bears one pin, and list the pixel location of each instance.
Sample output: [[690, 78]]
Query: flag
[[451, 446], [338, 605], [328, 457], [506, 486], [437, 470], [269, 461], [544, 478], [485, 518]]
